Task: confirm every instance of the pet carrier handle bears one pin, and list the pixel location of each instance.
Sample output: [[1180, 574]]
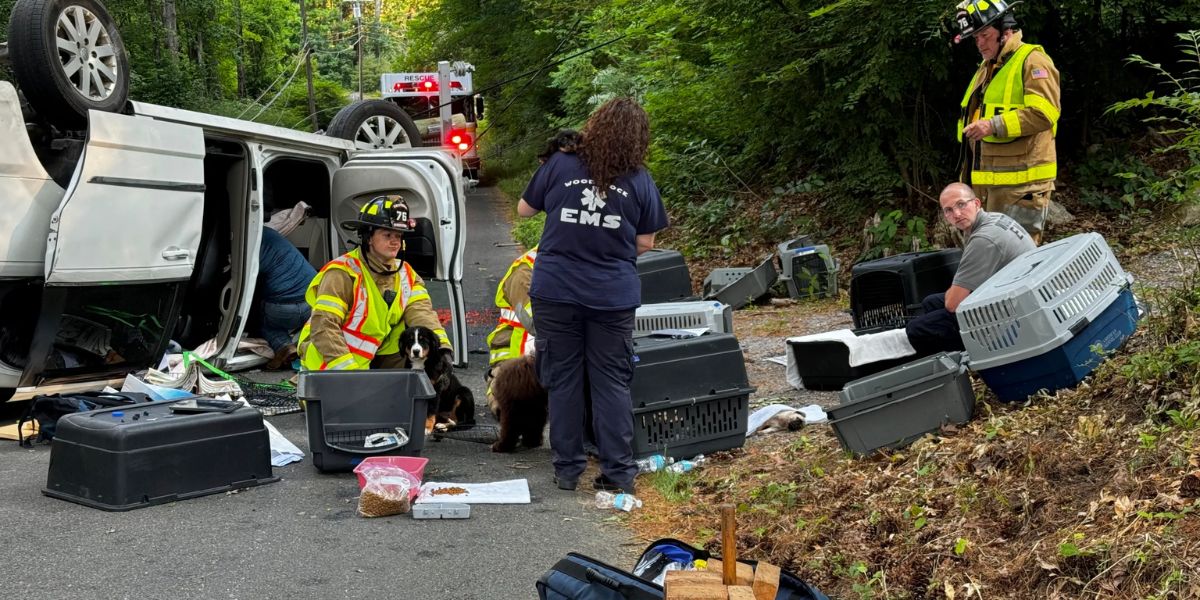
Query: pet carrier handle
[[1079, 326], [718, 394], [886, 404]]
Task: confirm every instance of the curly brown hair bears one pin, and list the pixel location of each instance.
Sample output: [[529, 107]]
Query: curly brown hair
[[615, 139]]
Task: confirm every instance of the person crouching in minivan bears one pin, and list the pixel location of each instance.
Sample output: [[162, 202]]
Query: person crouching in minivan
[[362, 300]]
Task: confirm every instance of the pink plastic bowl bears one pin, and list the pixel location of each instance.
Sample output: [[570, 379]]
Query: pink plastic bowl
[[415, 465]]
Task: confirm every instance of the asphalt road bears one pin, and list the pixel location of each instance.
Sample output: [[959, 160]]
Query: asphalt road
[[301, 537]]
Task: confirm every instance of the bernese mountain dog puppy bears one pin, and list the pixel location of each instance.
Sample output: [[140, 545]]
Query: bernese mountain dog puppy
[[454, 405], [519, 403]]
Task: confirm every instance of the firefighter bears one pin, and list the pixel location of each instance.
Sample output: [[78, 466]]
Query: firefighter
[[1009, 117], [364, 299], [513, 336]]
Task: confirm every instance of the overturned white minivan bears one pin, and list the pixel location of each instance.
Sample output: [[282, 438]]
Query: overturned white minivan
[[143, 226]]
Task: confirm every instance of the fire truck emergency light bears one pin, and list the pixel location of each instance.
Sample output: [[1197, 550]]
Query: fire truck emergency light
[[459, 140]]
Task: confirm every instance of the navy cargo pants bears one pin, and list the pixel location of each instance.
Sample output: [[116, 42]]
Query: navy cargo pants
[[573, 341], [936, 330]]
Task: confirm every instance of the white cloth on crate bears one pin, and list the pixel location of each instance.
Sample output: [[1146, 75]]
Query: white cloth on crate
[[863, 349], [287, 220]]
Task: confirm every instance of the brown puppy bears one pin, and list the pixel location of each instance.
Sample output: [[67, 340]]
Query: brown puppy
[[519, 403]]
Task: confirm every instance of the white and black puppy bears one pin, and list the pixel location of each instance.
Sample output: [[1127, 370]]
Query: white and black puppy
[[454, 405]]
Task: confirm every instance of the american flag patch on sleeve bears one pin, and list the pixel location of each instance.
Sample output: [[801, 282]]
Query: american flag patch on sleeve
[[1039, 73]]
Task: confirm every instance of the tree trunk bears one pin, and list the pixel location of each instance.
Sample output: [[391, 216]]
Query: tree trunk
[[241, 52], [171, 27]]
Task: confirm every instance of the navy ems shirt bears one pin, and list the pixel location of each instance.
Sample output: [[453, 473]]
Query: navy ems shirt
[[588, 251]]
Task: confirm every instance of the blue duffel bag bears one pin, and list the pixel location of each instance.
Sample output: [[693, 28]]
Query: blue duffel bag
[[578, 577]]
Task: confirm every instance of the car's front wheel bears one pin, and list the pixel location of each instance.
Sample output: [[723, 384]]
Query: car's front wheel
[[375, 125], [68, 58]]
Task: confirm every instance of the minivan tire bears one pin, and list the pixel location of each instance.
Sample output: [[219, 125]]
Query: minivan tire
[[63, 98], [374, 125]]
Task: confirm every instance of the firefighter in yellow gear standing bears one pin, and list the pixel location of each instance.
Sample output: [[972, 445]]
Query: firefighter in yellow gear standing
[[364, 299], [512, 336], [1009, 117]]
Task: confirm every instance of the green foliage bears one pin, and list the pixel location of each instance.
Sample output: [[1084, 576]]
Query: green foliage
[[1177, 114], [1113, 178], [894, 234], [528, 232]]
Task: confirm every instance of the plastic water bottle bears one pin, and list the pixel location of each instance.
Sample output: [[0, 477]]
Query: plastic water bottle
[[620, 501], [654, 463], [684, 466]]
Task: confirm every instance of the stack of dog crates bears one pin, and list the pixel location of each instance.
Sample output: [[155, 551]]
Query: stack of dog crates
[[690, 390], [1046, 320]]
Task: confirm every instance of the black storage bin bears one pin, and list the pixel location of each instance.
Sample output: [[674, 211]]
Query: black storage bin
[[129, 457], [664, 276], [825, 365], [888, 292], [344, 407], [690, 395]]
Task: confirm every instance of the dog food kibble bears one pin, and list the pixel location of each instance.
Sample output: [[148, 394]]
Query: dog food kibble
[[374, 504], [449, 491]]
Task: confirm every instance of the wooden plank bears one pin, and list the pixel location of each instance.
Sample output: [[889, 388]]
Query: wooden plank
[[691, 578], [693, 585], [741, 592], [766, 581], [744, 574], [729, 543]]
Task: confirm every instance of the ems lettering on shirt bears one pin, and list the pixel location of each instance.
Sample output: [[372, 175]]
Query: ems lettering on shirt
[[591, 202]]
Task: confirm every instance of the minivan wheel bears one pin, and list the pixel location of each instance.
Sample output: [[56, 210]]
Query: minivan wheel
[[68, 58], [375, 125]]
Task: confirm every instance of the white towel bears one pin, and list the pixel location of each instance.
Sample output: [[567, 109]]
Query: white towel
[[287, 220], [864, 349]]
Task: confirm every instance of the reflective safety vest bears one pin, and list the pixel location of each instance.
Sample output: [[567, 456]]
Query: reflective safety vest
[[369, 326], [1004, 96], [510, 323]]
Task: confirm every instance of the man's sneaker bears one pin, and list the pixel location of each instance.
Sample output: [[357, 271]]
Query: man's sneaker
[[566, 484], [603, 484]]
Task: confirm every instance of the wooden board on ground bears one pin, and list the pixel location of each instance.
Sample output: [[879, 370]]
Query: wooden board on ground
[[693, 585], [745, 572], [9, 432], [766, 581], [741, 592]]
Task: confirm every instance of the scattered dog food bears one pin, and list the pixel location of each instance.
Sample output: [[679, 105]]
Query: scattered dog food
[[449, 491]]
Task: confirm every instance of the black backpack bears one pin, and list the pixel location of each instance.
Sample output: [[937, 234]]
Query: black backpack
[[47, 409]]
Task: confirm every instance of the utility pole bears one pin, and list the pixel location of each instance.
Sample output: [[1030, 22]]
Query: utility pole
[[312, 102], [357, 7]]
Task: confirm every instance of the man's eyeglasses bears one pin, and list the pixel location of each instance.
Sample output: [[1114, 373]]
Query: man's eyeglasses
[[959, 206]]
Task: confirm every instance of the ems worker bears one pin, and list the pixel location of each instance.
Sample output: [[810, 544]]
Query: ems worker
[[1009, 117], [993, 241], [363, 299], [602, 210]]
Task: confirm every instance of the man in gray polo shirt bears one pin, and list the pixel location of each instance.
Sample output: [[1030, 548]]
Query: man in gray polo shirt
[[993, 241]]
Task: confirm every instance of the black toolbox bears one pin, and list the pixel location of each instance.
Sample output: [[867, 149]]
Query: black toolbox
[[664, 276], [691, 395], [129, 457], [888, 292], [343, 408]]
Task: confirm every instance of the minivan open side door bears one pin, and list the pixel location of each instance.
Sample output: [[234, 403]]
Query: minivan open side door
[[122, 246], [430, 183]]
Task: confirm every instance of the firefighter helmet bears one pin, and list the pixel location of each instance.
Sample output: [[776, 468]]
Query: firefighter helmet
[[972, 16], [383, 212]]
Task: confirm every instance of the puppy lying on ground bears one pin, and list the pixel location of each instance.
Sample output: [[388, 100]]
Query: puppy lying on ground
[[519, 403], [454, 405]]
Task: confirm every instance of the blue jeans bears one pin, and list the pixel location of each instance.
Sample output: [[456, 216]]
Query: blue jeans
[[280, 319], [577, 347]]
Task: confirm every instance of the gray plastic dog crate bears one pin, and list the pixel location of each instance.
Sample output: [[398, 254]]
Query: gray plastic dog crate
[[690, 395], [750, 287], [664, 276], [808, 271], [718, 279], [140, 455], [343, 408], [894, 408]]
